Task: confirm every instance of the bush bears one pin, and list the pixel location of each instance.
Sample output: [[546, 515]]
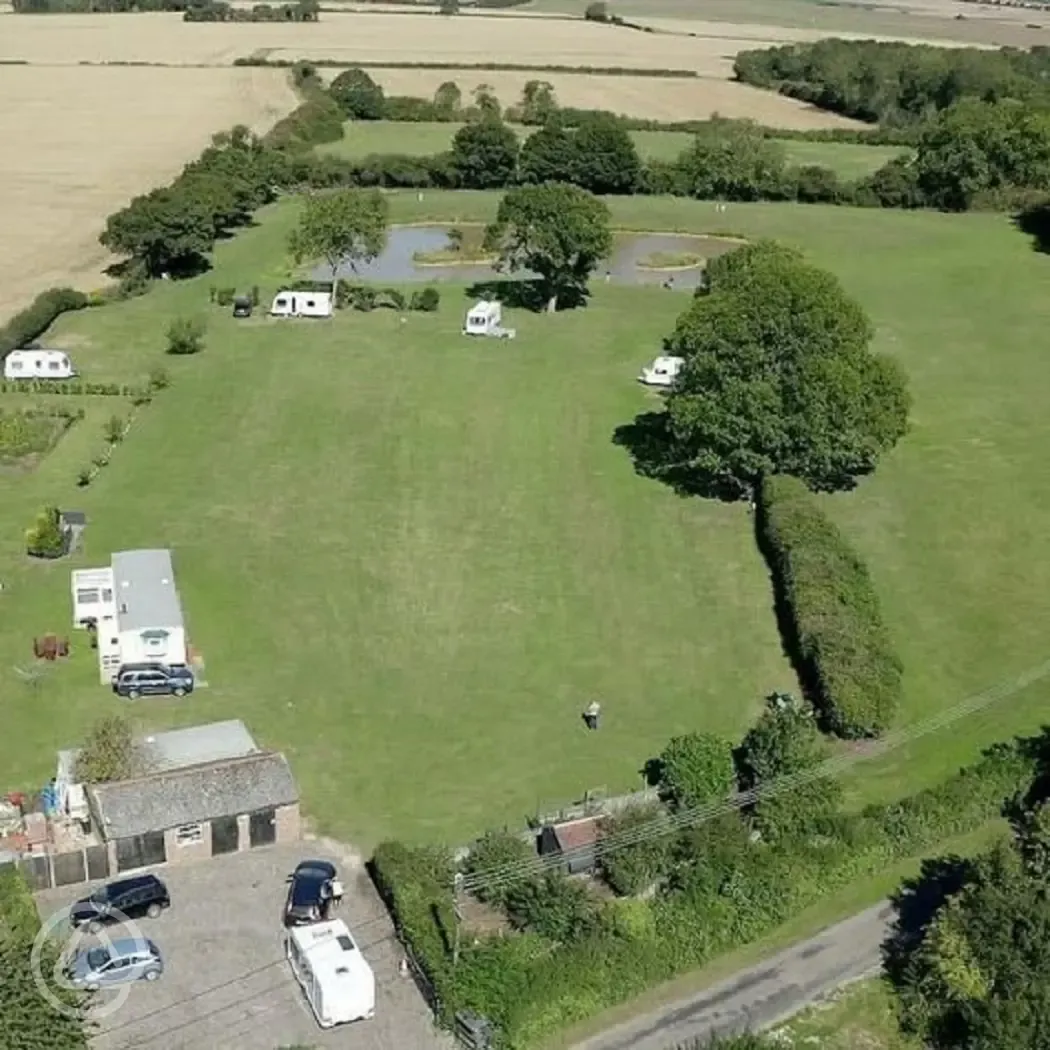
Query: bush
[[554, 906], [597, 12], [46, 538], [499, 851], [634, 868], [38, 317], [225, 296], [159, 379], [837, 634], [114, 430], [109, 753], [426, 300], [186, 336], [697, 768], [357, 95]]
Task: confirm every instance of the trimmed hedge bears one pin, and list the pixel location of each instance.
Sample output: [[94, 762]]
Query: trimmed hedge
[[726, 892], [38, 317], [18, 914], [836, 631]]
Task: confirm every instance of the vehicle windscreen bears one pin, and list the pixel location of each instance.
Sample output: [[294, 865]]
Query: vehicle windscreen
[[97, 957]]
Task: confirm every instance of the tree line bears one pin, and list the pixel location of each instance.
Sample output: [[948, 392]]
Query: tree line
[[896, 84]]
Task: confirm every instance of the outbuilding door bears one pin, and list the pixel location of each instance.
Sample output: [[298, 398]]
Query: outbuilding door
[[225, 835], [262, 828], [140, 851]]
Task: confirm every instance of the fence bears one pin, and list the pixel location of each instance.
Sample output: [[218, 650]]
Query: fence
[[46, 871], [595, 804]]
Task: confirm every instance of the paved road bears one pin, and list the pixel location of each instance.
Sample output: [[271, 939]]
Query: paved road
[[766, 993]]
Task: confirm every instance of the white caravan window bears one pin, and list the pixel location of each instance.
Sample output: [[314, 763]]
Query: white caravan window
[[53, 365]]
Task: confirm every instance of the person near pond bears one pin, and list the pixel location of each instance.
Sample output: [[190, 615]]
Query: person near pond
[[592, 714]]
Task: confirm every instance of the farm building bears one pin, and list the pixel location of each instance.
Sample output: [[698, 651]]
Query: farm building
[[204, 791], [135, 608], [575, 842]]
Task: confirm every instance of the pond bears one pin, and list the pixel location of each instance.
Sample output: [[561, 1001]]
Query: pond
[[633, 255]]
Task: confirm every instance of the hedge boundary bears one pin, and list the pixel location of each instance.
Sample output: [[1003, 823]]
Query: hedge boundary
[[37, 318], [731, 895], [833, 622]]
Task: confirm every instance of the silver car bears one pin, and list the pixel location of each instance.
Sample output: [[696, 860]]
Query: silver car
[[117, 963]]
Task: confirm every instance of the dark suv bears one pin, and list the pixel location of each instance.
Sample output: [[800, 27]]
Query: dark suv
[[129, 898], [134, 680], [309, 893]]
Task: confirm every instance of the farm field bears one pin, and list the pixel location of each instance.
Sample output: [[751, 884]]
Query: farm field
[[409, 560], [657, 98], [88, 139], [421, 139]]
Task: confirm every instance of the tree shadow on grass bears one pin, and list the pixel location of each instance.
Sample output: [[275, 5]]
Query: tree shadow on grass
[[524, 294], [1035, 221]]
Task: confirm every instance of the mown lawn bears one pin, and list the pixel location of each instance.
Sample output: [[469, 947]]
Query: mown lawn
[[409, 560], [361, 138]]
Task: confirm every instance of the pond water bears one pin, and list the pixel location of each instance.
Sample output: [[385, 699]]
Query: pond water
[[397, 266]]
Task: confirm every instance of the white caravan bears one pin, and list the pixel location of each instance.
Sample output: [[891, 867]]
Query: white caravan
[[335, 977], [485, 317], [662, 372], [38, 364], [302, 304]]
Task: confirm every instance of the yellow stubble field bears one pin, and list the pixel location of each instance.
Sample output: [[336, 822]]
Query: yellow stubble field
[[80, 142]]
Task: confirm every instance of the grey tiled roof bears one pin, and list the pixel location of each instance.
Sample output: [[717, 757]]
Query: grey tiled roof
[[193, 794]]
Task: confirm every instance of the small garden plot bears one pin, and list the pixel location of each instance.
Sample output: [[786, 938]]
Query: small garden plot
[[29, 433]]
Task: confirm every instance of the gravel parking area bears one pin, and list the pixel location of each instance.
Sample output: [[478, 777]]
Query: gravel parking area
[[226, 982]]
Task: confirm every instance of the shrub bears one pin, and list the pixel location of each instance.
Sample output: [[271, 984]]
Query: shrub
[[225, 296], [494, 852], [46, 539], [697, 768], [159, 379], [114, 430], [553, 906], [109, 753], [634, 868], [186, 336], [357, 95], [837, 634], [83, 478], [36, 318], [597, 12], [426, 300]]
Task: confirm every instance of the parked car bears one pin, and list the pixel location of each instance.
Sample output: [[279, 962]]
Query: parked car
[[242, 306], [131, 959], [129, 898], [309, 893], [153, 679]]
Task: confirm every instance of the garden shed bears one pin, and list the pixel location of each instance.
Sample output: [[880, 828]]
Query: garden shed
[[575, 842]]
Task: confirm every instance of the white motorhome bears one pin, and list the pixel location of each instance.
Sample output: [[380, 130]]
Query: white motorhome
[[662, 372], [483, 318], [38, 364], [335, 977], [302, 304]]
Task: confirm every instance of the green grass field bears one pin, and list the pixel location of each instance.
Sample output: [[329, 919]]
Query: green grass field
[[422, 139], [409, 560]]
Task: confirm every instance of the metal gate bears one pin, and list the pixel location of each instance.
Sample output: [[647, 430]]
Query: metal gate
[[262, 828], [140, 851], [225, 835], [97, 862], [69, 868]]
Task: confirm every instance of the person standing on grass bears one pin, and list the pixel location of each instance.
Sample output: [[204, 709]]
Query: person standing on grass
[[592, 714]]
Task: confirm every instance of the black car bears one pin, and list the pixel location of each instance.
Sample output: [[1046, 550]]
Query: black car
[[309, 893], [129, 898], [242, 306], [153, 679]]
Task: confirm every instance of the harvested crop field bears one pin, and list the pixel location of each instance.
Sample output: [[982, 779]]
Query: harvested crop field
[[652, 97], [81, 142]]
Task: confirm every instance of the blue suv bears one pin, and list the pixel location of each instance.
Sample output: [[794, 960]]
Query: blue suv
[[135, 680]]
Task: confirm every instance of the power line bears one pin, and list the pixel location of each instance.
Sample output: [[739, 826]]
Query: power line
[[503, 875]]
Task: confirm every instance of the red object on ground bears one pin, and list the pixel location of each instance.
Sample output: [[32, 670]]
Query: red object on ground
[[17, 798]]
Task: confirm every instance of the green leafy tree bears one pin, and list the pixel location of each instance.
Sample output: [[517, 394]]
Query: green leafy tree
[[606, 160], [358, 95], [782, 742], [554, 906], [448, 7], [448, 99], [167, 229], [555, 230], [779, 378], [109, 753], [490, 860], [538, 102], [548, 155], [733, 161], [485, 154], [186, 336], [46, 539], [486, 103], [648, 854], [697, 768], [348, 226]]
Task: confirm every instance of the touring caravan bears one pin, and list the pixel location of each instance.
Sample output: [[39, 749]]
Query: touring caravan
[[662, 372], [485, 317], [336, 979], [302, 304], [38, 364]]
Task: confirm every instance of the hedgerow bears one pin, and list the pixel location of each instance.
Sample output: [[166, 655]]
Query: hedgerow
[[725, 891], [843, 648], [36, 318]]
